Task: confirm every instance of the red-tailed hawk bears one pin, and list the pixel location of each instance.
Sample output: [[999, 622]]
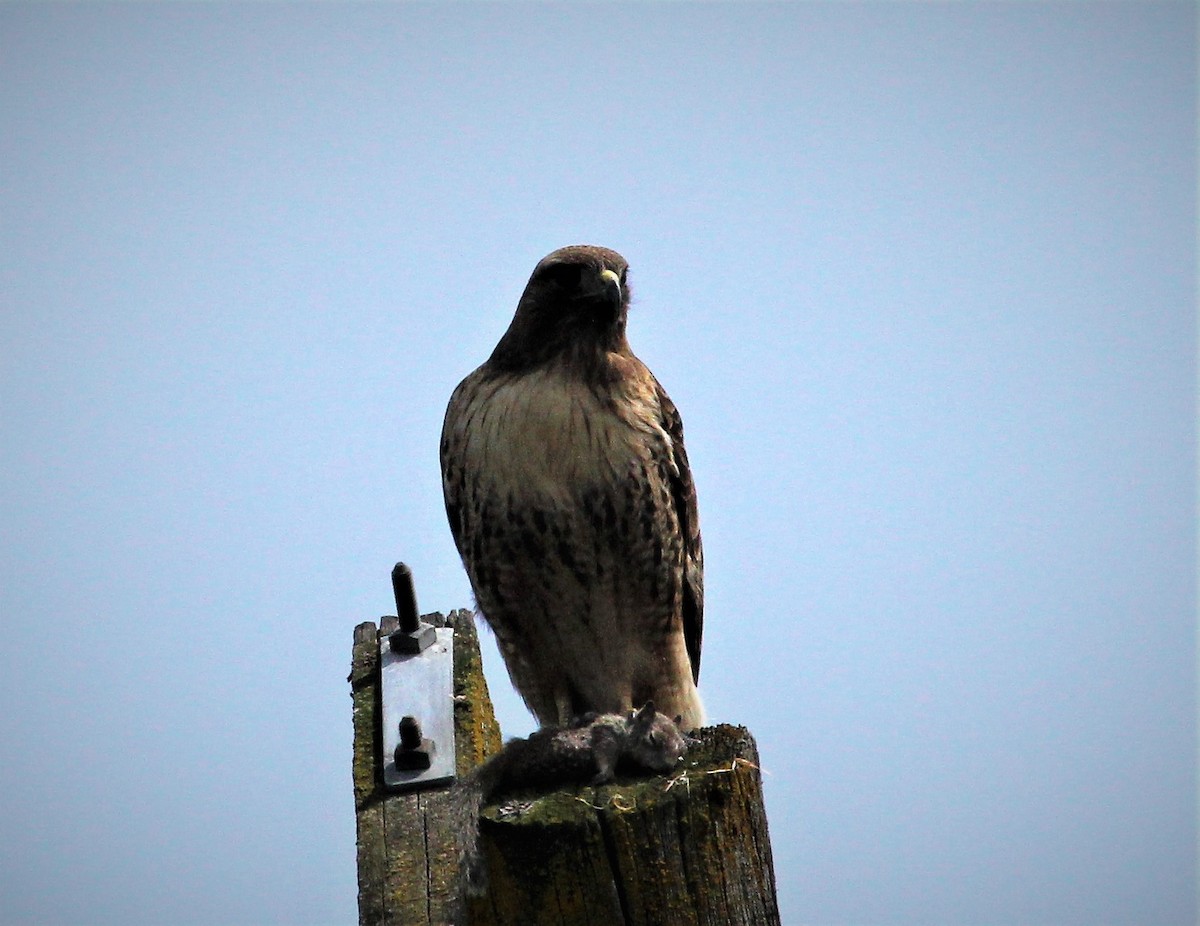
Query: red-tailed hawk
[[572, 504]]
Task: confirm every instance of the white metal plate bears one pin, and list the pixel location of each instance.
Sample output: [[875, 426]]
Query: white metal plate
[[420, 686]]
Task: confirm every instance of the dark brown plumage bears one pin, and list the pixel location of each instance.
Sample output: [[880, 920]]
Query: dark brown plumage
[[571, 501]]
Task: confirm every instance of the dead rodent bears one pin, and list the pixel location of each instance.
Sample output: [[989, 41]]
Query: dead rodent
[[589, 750]]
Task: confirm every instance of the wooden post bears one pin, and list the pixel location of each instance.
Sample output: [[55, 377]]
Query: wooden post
[[686, 849], [407, 856]]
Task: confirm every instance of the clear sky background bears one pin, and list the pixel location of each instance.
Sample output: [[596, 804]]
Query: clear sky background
[[921, 279]]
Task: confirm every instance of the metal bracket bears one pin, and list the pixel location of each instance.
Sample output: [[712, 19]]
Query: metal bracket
[[417, 685]]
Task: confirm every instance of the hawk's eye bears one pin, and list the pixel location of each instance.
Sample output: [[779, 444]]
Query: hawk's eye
[[565, 275]]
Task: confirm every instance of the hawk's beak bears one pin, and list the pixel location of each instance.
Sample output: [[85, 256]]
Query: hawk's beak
[[610, 281]]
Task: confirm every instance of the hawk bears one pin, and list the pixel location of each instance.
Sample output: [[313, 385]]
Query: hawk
[[571, 502]]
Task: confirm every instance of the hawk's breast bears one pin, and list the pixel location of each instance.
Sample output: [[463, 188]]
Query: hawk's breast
[[547, 436]]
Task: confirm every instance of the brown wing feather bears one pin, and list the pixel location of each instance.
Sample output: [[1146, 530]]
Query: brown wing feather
[[455, 492], [683, 492]]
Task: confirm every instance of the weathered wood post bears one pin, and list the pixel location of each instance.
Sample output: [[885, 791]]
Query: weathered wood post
[[687, 848], [407, 855]]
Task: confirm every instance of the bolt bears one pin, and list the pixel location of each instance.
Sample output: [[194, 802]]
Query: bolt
[[410, 733], [406, 598], [414, 753]]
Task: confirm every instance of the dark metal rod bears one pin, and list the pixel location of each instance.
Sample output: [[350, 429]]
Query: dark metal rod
[[406, 598]]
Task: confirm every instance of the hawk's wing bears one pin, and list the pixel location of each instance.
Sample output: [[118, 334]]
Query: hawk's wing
[[683, 494], [453, 476]]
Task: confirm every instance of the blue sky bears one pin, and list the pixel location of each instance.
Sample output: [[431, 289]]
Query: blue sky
[[921, 279]]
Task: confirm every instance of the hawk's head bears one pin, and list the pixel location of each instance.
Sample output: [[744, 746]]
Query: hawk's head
[[575, 304]]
